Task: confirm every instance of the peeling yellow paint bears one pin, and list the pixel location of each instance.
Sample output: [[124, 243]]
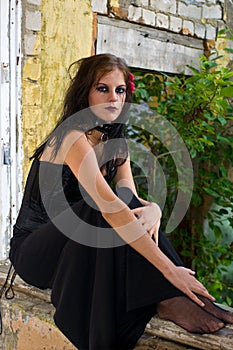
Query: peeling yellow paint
[[32, 69], [66, 35], [32, 118], [31, 94]]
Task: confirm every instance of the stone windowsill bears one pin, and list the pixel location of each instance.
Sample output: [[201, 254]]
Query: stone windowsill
[[31, 306]]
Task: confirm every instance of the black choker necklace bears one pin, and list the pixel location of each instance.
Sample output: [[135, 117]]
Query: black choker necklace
[[96, 136], [107, 127], [104, 132]]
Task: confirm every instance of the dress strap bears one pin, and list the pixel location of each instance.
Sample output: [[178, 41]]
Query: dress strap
[[7, 291]]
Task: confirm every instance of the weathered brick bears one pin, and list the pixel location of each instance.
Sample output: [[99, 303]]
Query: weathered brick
[[164, 5], [32, 69], [188, 27], [99, 6], [162, 21], [34, 2], [175, 24], [31, 93], [148, 17], [31, 44], [144, 3], [32, 118], [199, 30], [212, 2], [210, 32], [33, 20], [134, 13], [190, 11], [211, 12]]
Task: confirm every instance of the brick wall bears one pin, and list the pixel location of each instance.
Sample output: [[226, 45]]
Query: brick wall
[[198, 18], [31, 89]]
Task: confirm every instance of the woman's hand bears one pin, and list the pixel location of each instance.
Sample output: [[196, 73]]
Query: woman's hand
[[149, 216], [184, 279]]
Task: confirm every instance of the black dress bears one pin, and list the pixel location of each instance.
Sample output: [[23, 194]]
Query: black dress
[[103, 296]]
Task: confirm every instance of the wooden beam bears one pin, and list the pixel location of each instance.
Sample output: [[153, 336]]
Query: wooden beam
[[148, 48], [223, 339]]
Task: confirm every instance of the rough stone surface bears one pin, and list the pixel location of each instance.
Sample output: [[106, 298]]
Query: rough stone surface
[[164, 5], [34, 2], [212, 12], [31, 44], [140, 41], [199, 30], [28, 325], [210, 32], [148, 17], [162, 21], [33, 20], [99, 6], [175, 24], [188, 28], [134, 13], [189, 11]]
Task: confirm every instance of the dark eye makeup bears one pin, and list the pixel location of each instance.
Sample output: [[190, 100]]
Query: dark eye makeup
[[104, 88]]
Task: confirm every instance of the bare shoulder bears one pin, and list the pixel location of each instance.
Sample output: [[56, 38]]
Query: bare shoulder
[[75, 147], [73, 136]]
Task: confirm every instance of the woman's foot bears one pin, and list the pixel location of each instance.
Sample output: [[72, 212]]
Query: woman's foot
[[187, 314], [216, 311]]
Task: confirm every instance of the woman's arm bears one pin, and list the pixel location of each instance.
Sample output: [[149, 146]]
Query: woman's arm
[[149, 215], [124, 178], [80, 157]]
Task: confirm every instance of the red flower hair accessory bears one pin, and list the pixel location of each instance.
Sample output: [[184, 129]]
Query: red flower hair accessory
[[131, 83]]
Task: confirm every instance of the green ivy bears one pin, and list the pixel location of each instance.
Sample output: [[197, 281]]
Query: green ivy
[[200, 108]]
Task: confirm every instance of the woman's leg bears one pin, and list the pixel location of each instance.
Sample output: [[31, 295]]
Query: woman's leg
[[35, 255], [132, 325], [185, 313], [171, 303]]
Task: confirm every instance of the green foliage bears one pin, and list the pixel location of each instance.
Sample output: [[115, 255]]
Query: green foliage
[[200, 108]]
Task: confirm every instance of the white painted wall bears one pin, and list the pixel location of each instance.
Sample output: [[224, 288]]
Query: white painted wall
[[10, 135]]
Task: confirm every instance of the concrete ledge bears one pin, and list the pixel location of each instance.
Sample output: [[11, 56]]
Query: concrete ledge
[[28, 325]]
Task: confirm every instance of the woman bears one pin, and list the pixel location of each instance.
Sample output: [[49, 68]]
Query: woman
[[109, 281]]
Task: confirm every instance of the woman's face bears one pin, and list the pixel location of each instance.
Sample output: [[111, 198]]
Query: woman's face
[[106, 98]]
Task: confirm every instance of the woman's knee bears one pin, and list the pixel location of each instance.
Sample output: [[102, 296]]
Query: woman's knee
[[128, 197]]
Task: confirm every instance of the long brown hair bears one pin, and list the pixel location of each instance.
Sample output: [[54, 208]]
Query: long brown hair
[[89, 71]]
